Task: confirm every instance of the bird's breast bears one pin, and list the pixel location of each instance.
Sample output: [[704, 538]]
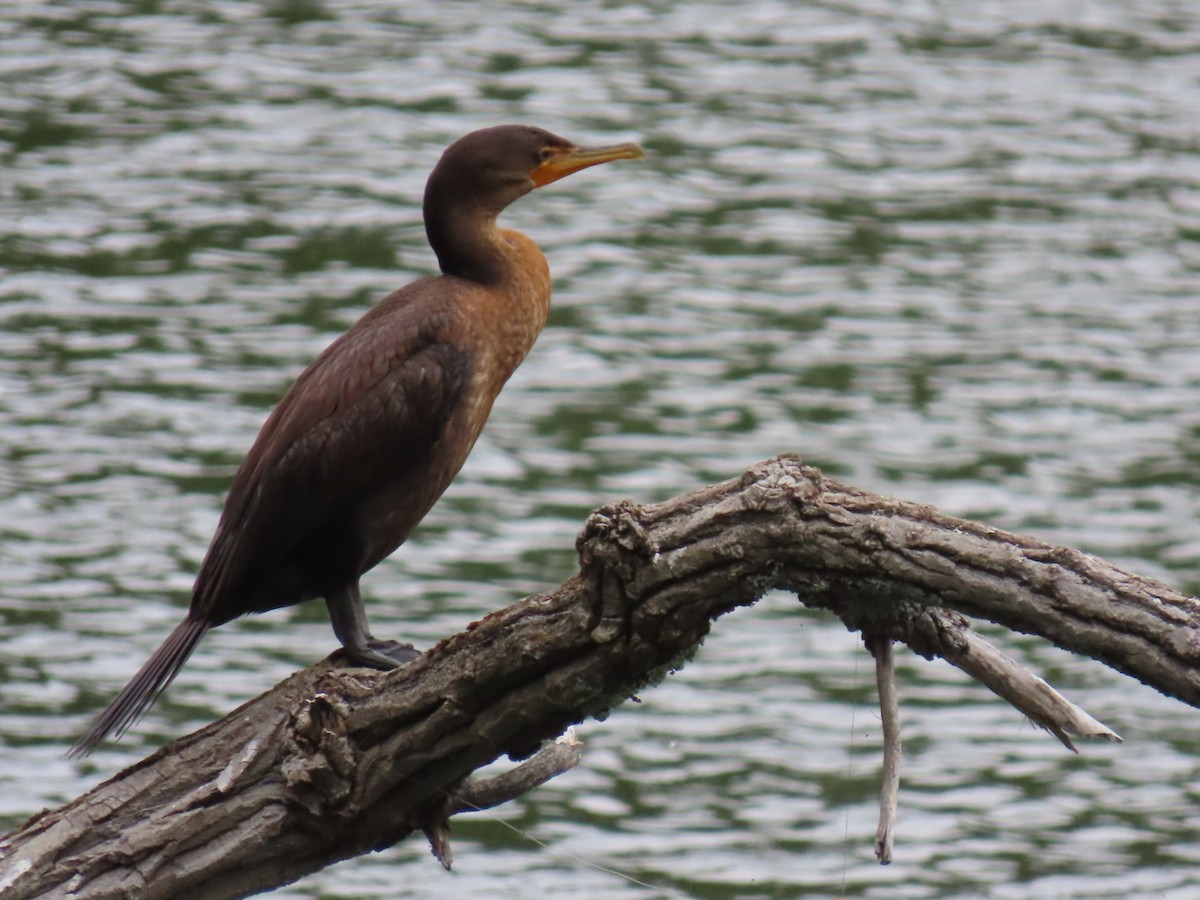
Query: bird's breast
[[502, 321]]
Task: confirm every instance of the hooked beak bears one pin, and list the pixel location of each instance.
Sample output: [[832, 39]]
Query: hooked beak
[[572, 159]]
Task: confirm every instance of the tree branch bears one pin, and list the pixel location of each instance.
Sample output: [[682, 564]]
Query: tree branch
[[335, 762], [889, 711]]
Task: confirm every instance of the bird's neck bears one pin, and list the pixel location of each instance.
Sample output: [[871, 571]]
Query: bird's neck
[[521, 303], [469, 245], [511, 309]]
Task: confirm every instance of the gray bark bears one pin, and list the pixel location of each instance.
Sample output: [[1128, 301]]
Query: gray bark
[[335, 762]]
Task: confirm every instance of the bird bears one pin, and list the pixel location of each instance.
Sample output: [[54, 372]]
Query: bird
[[371, 434]]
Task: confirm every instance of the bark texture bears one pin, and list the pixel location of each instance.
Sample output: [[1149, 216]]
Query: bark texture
[[335, 762]]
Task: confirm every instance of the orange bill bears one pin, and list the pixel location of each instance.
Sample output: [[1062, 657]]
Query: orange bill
[[571, 159]]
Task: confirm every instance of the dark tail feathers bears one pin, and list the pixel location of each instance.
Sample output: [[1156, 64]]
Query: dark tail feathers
[[150, 681]]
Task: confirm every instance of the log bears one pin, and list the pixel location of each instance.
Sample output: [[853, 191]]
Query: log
[[337, 761]]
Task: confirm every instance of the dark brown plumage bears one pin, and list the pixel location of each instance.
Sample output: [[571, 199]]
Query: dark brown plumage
[[372, 433]]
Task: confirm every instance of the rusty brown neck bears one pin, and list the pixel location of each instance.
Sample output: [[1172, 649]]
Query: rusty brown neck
[[467, 242]]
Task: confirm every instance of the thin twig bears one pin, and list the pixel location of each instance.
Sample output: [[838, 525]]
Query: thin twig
[[889, 707], [478, 794], [1045, 706]]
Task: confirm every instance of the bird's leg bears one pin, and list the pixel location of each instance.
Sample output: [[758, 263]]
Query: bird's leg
[[350, 625]]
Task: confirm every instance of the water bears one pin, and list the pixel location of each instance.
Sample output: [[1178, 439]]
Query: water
[[948, 252]]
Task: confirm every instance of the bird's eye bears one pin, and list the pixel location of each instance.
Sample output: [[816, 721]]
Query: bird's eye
[[545, 153]]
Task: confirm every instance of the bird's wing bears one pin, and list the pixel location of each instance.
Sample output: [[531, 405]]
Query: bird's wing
[[371, 405]]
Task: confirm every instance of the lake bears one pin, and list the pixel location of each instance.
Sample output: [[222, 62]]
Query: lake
[[946, 252]]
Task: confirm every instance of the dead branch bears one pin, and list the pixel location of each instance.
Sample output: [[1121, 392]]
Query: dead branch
[[889, 711], [335, 762]]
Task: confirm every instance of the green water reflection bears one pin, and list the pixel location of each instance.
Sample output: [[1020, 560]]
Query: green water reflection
[[949, 255]]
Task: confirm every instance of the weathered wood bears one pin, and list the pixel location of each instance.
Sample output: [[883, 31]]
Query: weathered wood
[[335, 762], [889, 718]]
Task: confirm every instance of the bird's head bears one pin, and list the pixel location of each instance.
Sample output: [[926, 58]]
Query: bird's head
[[492, 167]]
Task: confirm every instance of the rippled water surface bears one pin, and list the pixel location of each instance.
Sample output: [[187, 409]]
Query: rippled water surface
[[949, 252]]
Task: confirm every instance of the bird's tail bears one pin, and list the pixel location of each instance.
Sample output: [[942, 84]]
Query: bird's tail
[[150, 681]]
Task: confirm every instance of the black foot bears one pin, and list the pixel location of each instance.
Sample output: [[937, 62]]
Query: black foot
[[394, 650], [381, 654]]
